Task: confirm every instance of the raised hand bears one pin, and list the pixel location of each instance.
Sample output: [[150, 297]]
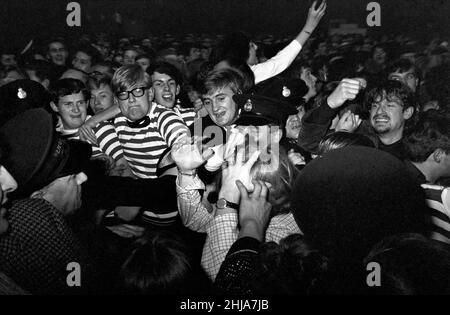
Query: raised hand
[[315, 15], [254, 210], [347, 89], [237, 169], [349, 122], [186, 154]]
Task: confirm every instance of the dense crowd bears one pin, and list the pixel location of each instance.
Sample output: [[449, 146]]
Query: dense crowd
[[226, 164]]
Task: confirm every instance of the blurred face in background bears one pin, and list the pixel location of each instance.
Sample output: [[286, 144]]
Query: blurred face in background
[[57, 53]]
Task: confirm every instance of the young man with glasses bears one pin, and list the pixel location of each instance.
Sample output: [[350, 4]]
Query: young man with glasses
[[145, 129]]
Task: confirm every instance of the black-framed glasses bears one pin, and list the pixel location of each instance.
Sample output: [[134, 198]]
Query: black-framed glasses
[[137, 92]]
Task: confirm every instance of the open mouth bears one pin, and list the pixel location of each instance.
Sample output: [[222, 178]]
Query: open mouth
[[220, 115], [167, 97]]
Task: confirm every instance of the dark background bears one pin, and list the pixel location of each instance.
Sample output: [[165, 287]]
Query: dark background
[[23, 19]]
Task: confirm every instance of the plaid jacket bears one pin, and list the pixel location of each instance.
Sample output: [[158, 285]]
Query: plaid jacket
[[39, 246]]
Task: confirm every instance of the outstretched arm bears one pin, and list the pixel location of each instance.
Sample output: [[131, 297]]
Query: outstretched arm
[[287, 55]]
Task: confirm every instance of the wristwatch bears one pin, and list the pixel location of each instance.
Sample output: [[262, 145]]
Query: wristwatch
[[222, 203]]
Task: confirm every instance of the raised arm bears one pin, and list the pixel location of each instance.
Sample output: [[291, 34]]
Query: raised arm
[[286, 56]]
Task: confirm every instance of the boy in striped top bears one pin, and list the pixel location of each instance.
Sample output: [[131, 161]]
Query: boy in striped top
[[428, 149], [145, 129], [166, 83], [69, 100]]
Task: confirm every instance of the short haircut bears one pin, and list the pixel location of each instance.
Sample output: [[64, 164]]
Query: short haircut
[[244, 69], [431, 132], [341, 139], [96, 83], [290, 267], [411, 265], [164, 67], [161, 263], [65, 87], [129, 76], [403, 65], [90, 51], [222, 78], [390, 89], [56, 40]]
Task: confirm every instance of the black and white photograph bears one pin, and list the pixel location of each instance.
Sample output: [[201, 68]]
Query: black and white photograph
[[224, 155]]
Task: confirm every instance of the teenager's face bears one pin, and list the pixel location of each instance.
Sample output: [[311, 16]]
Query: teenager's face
[[221, 107], [136, 107], [166, 89], [57, 53], [82, 61], [101, 98], [72, 109], [129, 57]]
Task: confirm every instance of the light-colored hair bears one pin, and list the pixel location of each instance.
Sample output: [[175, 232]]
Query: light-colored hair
[[129, 76], [281, 174]]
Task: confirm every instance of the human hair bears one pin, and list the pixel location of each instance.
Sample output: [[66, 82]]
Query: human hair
[[65, 87], [390, 90], [56, 40], [403, 65], [90, 51], [167, 68], [160, 263], [129, 76], [277, 170], [291, 267], [41, 68], [341, 139], [245, 71], [411, 264], [95, 83], [431, 132], [219, 79], [107, 64]]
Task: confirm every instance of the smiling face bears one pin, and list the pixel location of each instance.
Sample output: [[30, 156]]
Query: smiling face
[[57, 53], [166, 89], [129, 57], [388, 116], [72, 109], [221, 107]]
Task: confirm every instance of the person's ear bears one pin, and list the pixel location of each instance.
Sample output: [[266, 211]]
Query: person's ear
[[177, 91], [151, 94], [438, 155], [407, 114], [54, 107]]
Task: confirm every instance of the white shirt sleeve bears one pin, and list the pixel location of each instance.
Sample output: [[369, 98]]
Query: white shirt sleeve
[[278, 63]]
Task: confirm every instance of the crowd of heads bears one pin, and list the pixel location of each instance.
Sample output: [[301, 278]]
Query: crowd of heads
[[352, 203]]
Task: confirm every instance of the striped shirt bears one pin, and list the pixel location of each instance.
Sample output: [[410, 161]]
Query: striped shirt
[[108, 143], [187, 114], [143, 147], [438, 201]]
